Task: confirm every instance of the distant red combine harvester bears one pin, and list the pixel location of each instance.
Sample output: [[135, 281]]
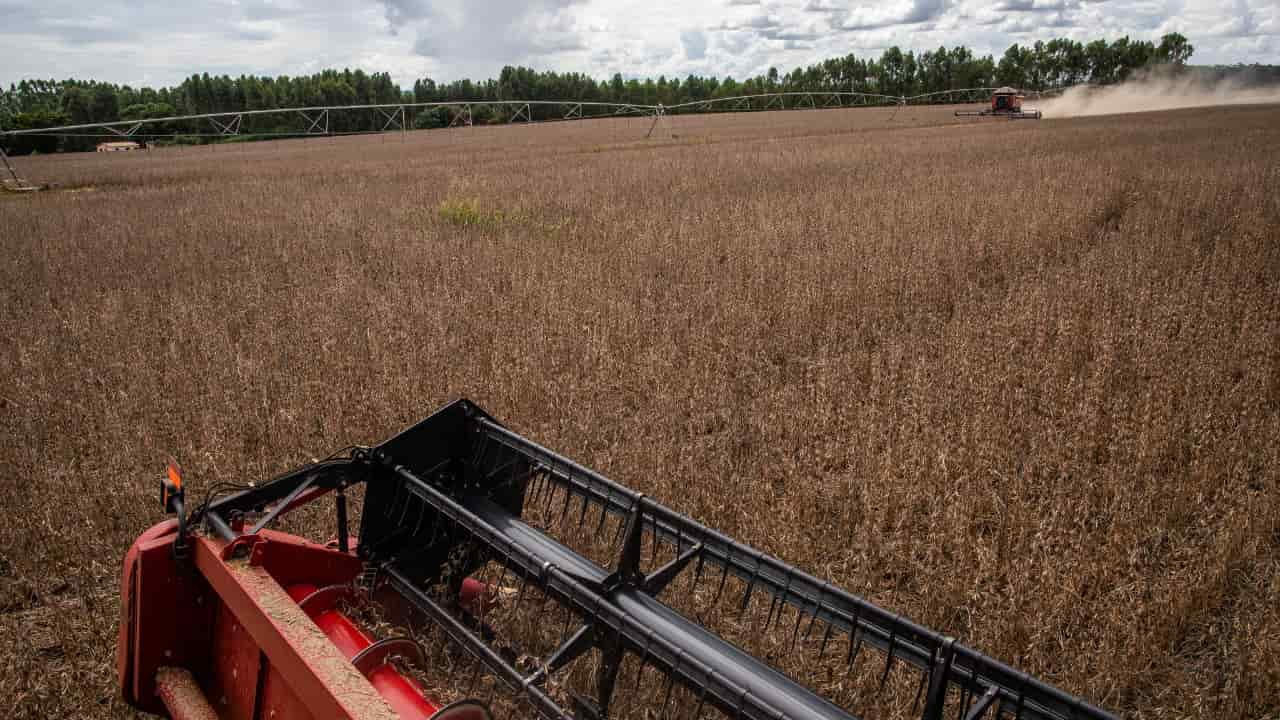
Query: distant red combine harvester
[[222, 617], [1005, 103]]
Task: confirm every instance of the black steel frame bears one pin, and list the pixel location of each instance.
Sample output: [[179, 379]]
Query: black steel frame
[[459, 480]]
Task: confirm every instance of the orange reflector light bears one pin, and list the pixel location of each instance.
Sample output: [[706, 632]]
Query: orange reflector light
[[175, 474]]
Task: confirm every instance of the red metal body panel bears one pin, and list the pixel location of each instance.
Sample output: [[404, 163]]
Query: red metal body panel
[[279, 702], [233, 689], [1013, 102], [327, 684], [250, 650], [292, 560], [167, 624]]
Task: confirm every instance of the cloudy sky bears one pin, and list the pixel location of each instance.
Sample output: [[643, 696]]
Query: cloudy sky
[[157, 43]]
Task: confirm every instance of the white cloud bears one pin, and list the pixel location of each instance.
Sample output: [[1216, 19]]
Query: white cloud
[[825, 6], [159, 42], [898, 13], [1034, 5], [695, 44]]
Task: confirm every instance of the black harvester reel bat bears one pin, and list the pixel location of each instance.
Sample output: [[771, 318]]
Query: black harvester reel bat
[[459, 498]]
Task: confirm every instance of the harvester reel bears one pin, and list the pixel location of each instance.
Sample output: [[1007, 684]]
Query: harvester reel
[[464, 526]]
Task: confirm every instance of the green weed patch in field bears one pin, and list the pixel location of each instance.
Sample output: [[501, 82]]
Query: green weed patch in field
[[468, 213]]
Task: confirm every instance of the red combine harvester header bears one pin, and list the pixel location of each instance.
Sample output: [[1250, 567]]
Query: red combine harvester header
[[463, 523]]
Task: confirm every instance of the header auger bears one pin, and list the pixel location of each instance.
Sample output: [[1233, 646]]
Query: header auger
[[541, 578]]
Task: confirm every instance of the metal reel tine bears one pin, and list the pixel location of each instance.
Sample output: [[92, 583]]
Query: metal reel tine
[[855, 647], [781, 597], [795, 632], [826, 637], [564, 512], [924, 680], [653, 547], [582, 519], [604, 512], [774, 604], [551, 494], [816, 611], [644, 657], [751, 586], [568, 617], [537, 483], [617, 534], [548, 480], [724, 575], [888, 664], [671, 682]]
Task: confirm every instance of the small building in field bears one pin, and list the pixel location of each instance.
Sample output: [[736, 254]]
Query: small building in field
[[122, 146]]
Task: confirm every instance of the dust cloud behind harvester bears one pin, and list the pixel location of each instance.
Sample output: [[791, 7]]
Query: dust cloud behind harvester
[[1156, 92]]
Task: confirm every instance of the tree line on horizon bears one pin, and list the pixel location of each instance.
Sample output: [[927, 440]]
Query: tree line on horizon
[[1042, 65]]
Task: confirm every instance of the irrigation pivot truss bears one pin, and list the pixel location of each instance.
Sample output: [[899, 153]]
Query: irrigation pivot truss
[[316, 119], [819, 99], [395, 116]]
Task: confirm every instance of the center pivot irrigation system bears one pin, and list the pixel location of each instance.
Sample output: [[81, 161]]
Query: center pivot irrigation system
[[396, 116], [465, 525]]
